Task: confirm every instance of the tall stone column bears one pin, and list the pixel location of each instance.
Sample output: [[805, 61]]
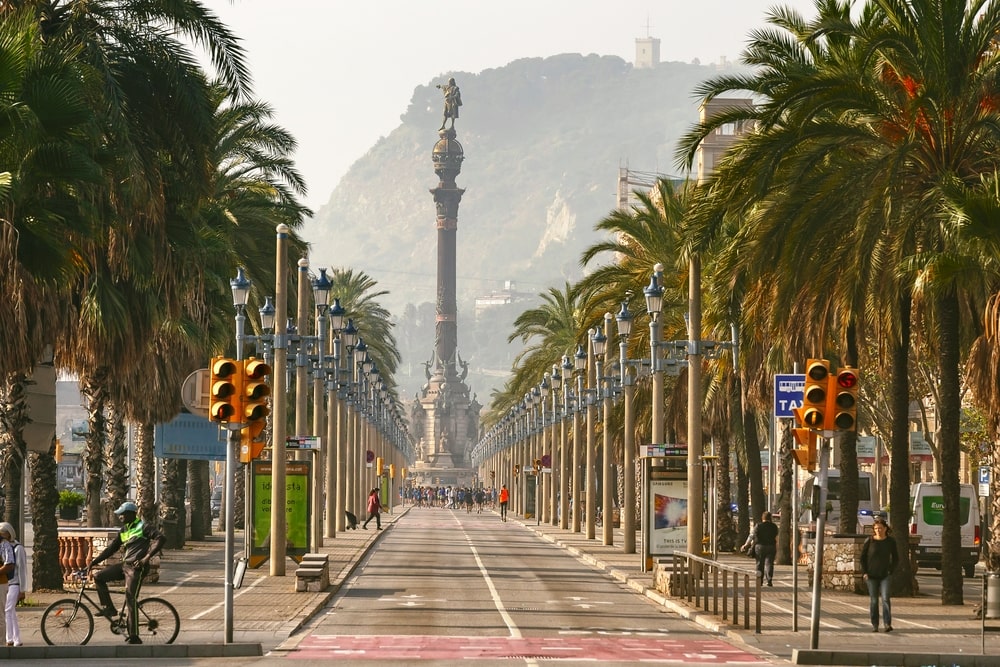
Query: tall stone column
[[448, 412]]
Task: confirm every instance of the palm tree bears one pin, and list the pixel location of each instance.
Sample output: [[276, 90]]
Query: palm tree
[[886, 108]]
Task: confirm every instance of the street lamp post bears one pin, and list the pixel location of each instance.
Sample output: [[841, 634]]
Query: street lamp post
[[334, 521], [696, 497], [597, 342], [279, 523], [628, 385], [321, 286], [654, 305], [606, 386], [556, 450], [579, 369]]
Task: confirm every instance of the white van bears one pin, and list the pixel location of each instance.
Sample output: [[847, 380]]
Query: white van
[[927, 508], [810, 495]]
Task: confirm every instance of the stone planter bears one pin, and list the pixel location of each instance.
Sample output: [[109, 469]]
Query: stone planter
[[69, 512]]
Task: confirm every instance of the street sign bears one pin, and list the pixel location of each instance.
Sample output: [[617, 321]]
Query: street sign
[[546, 460], [189, 437], [788, 390], [984, 481], [369, 456], [302, 442], [659, 451], [195, 392]]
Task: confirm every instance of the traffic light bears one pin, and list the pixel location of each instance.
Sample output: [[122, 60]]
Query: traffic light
[[844, 410], [814, 396], [59, 451], [805, 453], [250, 448], [538, 465], [517, 469], [379, 466], [255, 390], [392, 471], [493, 474], [224, 387]]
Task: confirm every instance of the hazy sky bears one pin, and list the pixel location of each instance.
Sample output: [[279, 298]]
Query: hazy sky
[[340, 73]]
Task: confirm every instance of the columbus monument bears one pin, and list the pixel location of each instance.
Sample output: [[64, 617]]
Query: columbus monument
[[445, 415]]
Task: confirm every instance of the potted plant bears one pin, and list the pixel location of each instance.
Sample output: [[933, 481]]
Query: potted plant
[[69, 504]]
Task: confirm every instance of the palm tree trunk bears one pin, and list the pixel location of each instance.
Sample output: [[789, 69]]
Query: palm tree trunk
[[13, 418], [849, 452], [200, 510], [950, 415], [172, 514], [92, 387], [145, 473], [726, 531], [117, 466], [46, 572], [787, 533], [904, 582]]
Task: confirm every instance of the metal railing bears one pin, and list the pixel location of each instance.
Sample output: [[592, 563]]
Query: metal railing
[[709, 584]]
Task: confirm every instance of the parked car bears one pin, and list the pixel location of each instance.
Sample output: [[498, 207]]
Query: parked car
[[216, 503]]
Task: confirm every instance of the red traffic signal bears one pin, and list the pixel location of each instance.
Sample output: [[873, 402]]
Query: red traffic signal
[[845, 399]]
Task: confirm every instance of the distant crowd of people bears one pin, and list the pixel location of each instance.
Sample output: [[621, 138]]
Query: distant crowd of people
[[451, 497]]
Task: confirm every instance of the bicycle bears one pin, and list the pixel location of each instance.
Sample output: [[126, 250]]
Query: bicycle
[[70, 621]]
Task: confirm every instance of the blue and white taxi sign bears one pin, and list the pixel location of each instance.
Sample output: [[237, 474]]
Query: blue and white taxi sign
[[788, 391]]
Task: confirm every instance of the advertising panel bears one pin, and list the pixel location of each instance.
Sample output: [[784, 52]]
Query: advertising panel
[[667, 512], [298, 511]]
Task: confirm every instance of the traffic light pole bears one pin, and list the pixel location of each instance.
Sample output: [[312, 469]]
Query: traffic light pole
[[232, 443], [820, 529]]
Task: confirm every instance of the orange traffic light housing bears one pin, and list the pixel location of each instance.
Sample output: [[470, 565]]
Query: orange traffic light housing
[[844, 400], [806, 453], [255, 390], [225, 389], [814, 396], [250, 447]]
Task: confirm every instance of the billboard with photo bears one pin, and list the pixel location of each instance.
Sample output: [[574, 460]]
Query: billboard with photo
[[667, 512]]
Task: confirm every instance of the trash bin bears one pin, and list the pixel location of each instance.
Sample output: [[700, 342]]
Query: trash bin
[[992, 610]]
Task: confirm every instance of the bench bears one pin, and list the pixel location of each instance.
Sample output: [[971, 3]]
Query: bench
[[313, 567]]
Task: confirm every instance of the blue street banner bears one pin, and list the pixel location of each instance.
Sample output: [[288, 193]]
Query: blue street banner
[[788, 391]]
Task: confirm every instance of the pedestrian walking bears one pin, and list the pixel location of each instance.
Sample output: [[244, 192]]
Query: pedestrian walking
[[15, 570], [504, 499], [879, 558], [765, 541], [374, 510], [139, 542]]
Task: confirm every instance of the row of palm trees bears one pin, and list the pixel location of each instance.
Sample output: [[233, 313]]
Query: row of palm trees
[[134, 180], [858, 221]]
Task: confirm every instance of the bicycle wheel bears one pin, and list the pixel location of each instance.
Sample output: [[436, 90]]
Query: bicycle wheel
[[158, 621], [65, 623]]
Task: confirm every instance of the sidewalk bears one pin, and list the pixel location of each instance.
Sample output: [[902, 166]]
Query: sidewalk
[[925, 631], [267, 610]]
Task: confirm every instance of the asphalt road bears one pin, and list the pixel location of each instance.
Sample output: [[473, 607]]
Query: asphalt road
[[449, 586]]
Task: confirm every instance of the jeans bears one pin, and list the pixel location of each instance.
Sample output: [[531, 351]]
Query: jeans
[[765, 562], [878, 587]]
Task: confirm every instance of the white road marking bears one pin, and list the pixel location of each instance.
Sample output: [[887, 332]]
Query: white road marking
[[245, 589], [515, 632]]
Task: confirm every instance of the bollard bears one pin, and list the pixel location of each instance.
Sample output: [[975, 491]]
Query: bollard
[[992, 608]]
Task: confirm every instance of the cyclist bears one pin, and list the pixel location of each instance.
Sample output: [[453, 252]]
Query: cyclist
[[140, 543]]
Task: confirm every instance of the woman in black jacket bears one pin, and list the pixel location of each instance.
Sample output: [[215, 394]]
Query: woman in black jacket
[[878, 561]]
